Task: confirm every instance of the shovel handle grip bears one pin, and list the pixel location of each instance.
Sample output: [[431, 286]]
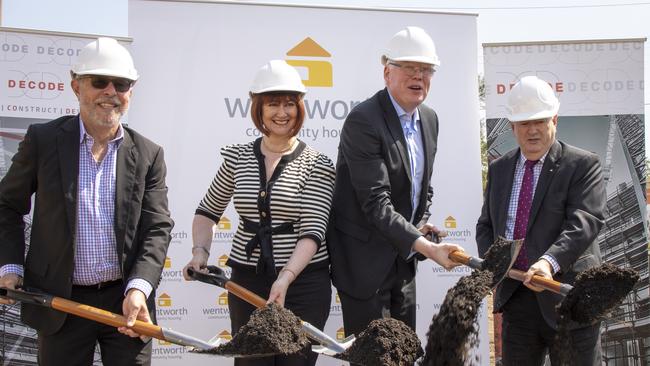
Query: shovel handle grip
[[105, 317], [245, 294], [460, 257], [539, 281]]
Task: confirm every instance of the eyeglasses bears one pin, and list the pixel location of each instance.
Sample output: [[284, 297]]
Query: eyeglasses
[[410, 70], [121, 85]]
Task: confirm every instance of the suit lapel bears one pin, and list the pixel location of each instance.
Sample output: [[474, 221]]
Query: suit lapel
[[125, 178], [395, 128], [67, 146], [503, 190], [551, 166]]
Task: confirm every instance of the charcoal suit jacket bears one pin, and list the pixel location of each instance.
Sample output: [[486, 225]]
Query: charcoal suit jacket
[[369, 224], [565, 217]]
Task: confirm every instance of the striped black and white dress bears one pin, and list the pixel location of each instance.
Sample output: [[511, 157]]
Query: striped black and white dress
[[294, 204]]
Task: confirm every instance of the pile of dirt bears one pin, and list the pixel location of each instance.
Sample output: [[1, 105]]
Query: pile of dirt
[[270, 330], [596, 292], [454, 330], [385, 342]]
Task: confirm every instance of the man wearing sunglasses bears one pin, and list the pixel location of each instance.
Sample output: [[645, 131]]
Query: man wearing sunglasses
[[100, 227], [383, 192]]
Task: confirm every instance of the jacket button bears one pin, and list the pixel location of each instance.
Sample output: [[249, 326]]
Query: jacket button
[[263, 214], [262, 194]]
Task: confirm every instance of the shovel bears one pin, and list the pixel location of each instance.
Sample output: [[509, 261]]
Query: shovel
[[543, 282], [37, 297], [216, 276]]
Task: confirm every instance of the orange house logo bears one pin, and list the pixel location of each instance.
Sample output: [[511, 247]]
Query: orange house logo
[[450, 222], [164, 343], [168, 263], [225, 335], [340, 334], [221, 261], [337, 299], [223, 299], [319, 71], [224, 224], [164, 300]]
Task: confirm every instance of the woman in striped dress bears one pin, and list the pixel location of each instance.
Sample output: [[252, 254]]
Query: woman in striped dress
[[282, 190]]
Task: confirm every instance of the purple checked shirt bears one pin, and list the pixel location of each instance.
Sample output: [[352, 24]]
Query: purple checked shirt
[[95, 258]]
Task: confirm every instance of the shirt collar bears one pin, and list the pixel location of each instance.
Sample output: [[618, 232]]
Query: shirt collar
[[414, 117], [83, 134], [522, 158]]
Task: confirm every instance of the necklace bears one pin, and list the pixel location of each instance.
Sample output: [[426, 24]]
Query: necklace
[[281, 151]]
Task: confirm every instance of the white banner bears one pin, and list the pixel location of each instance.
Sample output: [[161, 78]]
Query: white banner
[[590, 78], [197, 61]]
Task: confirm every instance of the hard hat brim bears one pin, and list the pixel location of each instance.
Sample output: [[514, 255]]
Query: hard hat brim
[[523, 117], [421, 59], [107, 72], [280, 88]]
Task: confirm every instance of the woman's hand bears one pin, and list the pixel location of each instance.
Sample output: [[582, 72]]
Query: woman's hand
[[198, 262], [280, 287]]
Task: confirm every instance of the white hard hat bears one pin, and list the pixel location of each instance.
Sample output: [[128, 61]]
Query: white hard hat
[[104, 56], [277, 75], [530, 99], [411, 44]]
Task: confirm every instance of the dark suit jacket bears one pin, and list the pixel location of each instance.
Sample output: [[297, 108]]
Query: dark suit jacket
[[565, 217], [47, 164], [369, 224]]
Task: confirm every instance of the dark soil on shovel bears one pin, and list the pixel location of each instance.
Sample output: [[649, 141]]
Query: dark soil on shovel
[[385, 342], [453, 331], [497, 259], [596, 292], [270, 330]]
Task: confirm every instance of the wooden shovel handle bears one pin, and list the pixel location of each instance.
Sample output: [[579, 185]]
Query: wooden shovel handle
[[245, 294], [539, 281], [105, 317], [459, 257]]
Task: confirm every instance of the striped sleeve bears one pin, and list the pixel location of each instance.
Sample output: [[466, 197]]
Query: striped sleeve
[[317, 200], [218, 196]]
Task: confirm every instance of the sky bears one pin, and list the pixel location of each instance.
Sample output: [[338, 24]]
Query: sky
[[498, 21]]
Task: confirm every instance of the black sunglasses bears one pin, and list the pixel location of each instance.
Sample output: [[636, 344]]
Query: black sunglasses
[[121, 85]]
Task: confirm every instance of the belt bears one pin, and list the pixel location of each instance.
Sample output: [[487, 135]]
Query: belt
[[99, 286], [264, 240]]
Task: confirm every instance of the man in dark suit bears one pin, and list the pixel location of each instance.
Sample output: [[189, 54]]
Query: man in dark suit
[[100, 227], [382, 193], [551, 195]]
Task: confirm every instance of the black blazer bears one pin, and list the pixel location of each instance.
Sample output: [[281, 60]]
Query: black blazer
[[47, 164], [369, 224], [565, 217]]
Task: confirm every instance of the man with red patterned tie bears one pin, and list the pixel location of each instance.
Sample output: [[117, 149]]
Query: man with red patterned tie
[[551, 195]]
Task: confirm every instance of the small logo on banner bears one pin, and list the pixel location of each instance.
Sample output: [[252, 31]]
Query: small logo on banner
[[337, 298], [168, 263], [340, 334], [223, 299], [225, 335], [221, 261], [164, 300], [224, 224], [319, 72], [162, 342], [450, 222]]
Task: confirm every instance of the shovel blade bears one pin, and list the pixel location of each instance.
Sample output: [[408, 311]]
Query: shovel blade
[[331, 351]]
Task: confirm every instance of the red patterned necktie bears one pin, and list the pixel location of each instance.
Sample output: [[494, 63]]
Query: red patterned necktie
[[523, 212]]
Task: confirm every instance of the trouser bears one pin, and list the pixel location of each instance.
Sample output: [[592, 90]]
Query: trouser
[[74, 344], [527, 337], [395, 298], [308, 297]]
